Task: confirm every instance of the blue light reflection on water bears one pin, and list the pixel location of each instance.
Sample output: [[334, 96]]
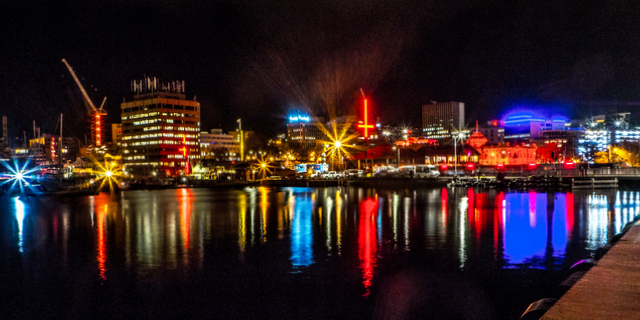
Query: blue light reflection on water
[[525, 226], [301, 228]]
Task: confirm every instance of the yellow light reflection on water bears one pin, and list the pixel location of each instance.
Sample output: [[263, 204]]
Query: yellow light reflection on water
[[242, 222]]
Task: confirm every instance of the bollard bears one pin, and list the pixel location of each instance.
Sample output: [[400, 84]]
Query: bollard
[[582, 265], [537, 309]]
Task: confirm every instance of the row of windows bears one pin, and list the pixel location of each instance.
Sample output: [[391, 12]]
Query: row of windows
[[164, 164], [155, 114], [142, 115], [156, 135], [150, 121], [160, 106], [154, 142]]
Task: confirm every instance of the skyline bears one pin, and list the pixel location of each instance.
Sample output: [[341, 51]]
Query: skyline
[[260, 62]]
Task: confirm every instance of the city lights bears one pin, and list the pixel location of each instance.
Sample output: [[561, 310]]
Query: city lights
[[19, 179], [338, 143], [109, 173]]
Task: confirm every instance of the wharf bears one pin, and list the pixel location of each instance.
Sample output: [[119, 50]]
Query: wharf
[[610, 289]]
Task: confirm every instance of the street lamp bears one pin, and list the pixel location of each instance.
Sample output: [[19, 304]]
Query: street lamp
[[241, 138], [456, 136]]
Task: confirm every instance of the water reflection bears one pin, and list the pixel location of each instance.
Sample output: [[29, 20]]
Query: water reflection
[[186, 207], [367, 243], [20, 213], [301, 211], [299, 228]]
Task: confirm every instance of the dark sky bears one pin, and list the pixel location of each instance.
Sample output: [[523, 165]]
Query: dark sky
[[258, 59]]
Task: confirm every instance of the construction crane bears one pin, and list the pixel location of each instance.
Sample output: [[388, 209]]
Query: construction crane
[[96, 114]]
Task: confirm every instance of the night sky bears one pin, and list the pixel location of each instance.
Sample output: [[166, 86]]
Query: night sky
[[259, 59]]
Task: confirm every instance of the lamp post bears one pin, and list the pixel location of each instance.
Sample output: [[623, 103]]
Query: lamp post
[[241, 139], [457, 136]]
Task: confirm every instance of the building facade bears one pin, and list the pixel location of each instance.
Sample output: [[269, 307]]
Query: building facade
[[439, 119], [525, 127], [160, 130], [493, 134], [303, 132], [219, 145]]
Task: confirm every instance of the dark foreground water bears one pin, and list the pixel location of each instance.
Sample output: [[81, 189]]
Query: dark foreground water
[[297, 253]]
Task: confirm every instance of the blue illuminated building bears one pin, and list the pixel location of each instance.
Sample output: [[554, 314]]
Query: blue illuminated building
[[527, 126], [302, 130]]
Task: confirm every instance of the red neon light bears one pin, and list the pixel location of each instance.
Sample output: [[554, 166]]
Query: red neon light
[[366, 125], [184, 154]]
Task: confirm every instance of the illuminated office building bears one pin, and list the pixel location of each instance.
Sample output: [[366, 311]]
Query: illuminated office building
[[219, 145], [160, 129], [302, 131], [439, 119]]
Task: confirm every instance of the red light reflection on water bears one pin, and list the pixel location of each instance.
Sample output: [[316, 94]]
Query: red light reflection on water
[[445, 206], [367, 242], [498, 222], [102, 210], [569, 212], [186, 206]]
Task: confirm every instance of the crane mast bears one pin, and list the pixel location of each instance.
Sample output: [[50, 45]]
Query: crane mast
[[96, 114], [84, 92]]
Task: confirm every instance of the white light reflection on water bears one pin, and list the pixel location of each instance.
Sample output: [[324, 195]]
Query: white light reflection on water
[[464, 205], [598, 220], [329, 212], [407, 206], [20, 214]]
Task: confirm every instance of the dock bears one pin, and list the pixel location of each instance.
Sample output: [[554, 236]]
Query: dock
[[610, 289]]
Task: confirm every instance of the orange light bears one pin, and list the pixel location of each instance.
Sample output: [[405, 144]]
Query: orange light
[[494, 123]]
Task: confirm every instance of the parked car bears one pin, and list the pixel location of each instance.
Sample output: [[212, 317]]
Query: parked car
[[407, 171], [330, 175], [315, 175], [385, 171], [353, 173], [426, 171]]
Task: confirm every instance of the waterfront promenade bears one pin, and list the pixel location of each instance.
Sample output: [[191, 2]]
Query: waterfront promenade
[[610, 290]]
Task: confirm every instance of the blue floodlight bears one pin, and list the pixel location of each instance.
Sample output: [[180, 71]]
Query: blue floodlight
[[299, 117]]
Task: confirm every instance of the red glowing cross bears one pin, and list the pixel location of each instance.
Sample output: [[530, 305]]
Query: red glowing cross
[[184, 153], [366, 125]]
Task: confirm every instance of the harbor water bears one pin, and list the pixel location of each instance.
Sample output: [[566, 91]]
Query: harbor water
[[298, 253]]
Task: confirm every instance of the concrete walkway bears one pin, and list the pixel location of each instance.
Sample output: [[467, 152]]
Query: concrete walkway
[[610, 290]]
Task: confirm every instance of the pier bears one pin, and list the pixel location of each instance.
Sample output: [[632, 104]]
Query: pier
[[610, 289]]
